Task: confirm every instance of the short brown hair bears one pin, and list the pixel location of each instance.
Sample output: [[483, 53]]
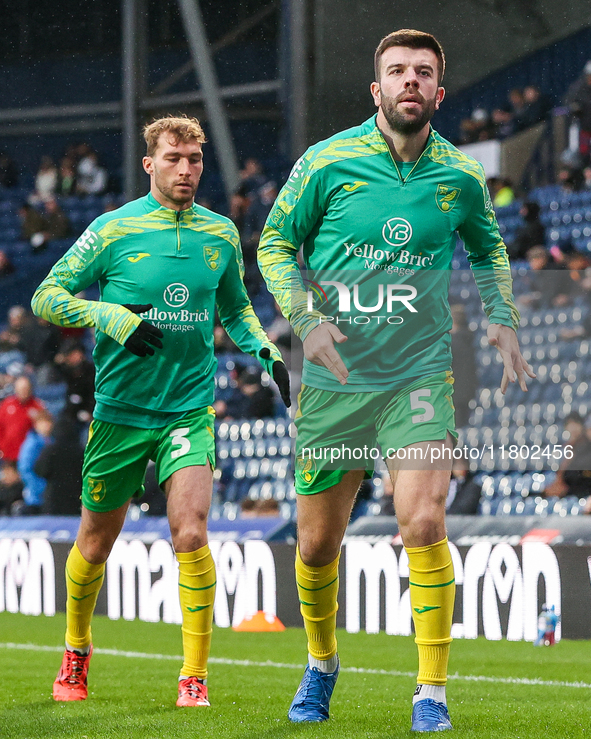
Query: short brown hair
[[411, 39], [180, 128]]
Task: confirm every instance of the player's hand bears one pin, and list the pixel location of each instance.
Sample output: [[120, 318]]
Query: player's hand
[[146, 336], [280, 375], [505, 339], [319, 349]]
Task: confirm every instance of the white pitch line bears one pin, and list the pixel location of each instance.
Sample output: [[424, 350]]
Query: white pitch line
[[288, 666]]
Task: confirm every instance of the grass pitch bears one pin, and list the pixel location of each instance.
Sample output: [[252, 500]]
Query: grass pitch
[[499, 689]]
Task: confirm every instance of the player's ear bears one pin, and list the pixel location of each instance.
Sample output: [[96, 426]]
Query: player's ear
[[375, 93], [439, 97], [148, 165]]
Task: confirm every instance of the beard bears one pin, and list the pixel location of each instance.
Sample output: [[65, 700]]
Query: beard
[[168, 190], [406, 123]]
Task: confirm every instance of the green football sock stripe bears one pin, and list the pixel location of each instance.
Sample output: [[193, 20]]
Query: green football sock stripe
[[80, 584], [442, 585], [316, 589], [190, 588]]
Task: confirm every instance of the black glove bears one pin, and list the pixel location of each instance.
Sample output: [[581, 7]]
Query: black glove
[[145, 335], [280, 375]]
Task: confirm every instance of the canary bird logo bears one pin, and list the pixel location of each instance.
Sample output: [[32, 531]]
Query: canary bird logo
[[446, 197], [212, 257], [306, 468], [96, 489]]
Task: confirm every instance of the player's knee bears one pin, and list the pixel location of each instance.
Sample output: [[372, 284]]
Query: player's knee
[[318, 552], [190, 534], [96, 550], [422, 529]]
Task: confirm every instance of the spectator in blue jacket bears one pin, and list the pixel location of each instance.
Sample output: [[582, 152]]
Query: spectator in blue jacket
[[34, 486]]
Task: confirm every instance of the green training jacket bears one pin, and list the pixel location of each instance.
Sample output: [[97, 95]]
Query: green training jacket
[[183, 263], [378, 238]]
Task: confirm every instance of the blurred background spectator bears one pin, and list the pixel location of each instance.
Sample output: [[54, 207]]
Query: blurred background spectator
[[17, 415], [239, 203], [524, 108], [250, 399], [6, 266], [464, 492], [40, 343], [251, 175], [535, 108], [63, 481], [57, 223], [35, 440], [476, 128], [574, 475], [548, 282], [39, 228], [67, 177], [91, 178], [530, 233], [78, 373], [9, 372], [503, 122], [501, 191], [578, 99], [46, 181], [11, 488], [32, 222]]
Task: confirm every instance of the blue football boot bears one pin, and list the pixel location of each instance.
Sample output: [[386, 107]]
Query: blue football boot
[[430, 715], [312, 700]]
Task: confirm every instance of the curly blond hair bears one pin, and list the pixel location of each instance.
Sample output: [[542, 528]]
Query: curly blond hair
[[180, 128]]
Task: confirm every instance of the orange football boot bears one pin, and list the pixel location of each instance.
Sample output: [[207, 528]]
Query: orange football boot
[[192, 692], [71, 683]]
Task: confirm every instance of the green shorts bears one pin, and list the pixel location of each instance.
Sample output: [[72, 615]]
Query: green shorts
[[116, 456], [338, 432]]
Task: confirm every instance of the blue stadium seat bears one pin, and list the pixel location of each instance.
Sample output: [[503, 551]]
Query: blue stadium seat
[[55, 391]]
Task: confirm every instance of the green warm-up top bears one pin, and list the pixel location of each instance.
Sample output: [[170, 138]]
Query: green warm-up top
[[378, 238], [183, 263]]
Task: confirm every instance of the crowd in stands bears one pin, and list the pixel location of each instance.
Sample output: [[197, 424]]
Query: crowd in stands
[[249, 208], [78, 173], [34, 443], [522, 109]]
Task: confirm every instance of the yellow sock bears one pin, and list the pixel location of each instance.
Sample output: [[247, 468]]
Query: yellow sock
[[432, 595], [197, 593], [83, 582], [318, 588]]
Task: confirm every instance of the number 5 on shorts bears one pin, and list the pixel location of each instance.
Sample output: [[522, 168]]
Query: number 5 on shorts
[[417, 404], [179, 439]]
